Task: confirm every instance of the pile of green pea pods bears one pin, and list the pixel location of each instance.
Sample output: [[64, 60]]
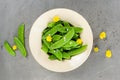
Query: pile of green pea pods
[[62, 45]]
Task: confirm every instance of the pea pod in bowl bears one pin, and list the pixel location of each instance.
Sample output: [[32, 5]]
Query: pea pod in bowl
[[62, 41]]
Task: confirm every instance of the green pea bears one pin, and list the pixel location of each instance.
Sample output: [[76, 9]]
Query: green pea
[[9, 49], [63, 40], [77, 51], [21, 30]]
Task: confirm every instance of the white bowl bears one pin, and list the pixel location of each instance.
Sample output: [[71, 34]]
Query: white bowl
[[35, 40]]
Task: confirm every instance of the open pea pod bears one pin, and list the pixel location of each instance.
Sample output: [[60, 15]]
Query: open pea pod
[[63, 40], [77, 51]]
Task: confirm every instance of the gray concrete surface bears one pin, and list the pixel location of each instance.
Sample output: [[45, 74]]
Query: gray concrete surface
[[101, 15]]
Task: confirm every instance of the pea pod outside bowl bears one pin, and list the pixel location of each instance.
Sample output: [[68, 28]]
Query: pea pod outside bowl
[[35, 38]]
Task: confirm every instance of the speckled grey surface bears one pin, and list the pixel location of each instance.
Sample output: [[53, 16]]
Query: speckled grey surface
[[101, 15]]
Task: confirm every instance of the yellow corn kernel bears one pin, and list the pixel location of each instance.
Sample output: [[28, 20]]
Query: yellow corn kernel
[[96, 49], [14, 47], [108, 53], [56, 18], [49, 38], [79, 41], [102, 35]]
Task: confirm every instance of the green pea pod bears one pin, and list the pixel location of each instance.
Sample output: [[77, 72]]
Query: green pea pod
[[70, 43], [52, 31], [66, 23], [71, 48], [57, 53], [47, 29], [21, 33], [51, 24], [76, 36], [46, 43], [67, 28], [78, 46], [20, 46], [56, 37], [78, 29], [65, 55], [67, 48], [44, 48], [61, 49], [63, 40], [64, 29], [52, 57], [59, 22], [9, 49], [77, 51]]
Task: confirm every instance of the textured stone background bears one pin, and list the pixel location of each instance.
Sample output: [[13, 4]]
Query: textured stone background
[[101, 15]]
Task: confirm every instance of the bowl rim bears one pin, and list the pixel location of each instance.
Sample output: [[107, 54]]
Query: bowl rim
[[60, 9]]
